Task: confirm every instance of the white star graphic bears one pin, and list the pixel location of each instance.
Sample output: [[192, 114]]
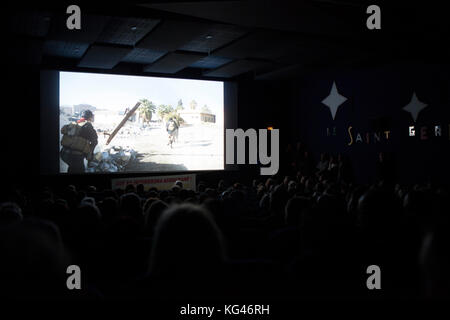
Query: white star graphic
[[415, 106], [334, 100]]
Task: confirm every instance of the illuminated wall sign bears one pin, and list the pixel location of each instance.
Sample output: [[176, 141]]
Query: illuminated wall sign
[[425, 132], [372, 137], [369, 137], [362, 137], [414, 108]]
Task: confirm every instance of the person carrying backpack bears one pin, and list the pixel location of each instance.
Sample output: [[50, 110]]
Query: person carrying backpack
[[172, 130], [78, 142]]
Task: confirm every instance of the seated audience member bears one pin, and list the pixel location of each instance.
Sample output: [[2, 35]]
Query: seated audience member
[[434, 263], [34, 262], [10, 213], [130, 205], [152, 215], [323, 163], [188, 253], [109, 209]]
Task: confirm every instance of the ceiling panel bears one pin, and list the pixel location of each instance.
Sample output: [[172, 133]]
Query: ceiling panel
[[173, 62], [103, 57], [236, 68], [144, 56], [65, 49], [126, 31], [260, 44], [214, 37], [170, 35], [210, 62]]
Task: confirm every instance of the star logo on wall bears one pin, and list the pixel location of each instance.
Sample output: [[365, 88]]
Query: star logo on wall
[[415, 106], [334, 100]]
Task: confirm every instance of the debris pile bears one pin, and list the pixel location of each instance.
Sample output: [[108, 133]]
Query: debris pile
[[111, 159], [130, 130]]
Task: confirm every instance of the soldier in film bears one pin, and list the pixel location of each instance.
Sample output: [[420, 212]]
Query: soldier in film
[[78, 142]]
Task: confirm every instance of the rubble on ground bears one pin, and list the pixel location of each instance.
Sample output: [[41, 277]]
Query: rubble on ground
[[111, 159], [129, 130]]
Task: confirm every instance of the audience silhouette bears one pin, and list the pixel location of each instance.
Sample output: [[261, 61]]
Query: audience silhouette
[[311, 233]]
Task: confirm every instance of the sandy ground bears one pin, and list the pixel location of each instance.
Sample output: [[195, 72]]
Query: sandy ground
[[199, 147]]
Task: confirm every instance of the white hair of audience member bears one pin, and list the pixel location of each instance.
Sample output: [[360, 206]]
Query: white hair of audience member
[[179, 183], [10, 212], [292, 185], [89, 201]]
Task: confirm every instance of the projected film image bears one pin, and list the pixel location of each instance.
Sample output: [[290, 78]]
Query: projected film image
[[115, 123]]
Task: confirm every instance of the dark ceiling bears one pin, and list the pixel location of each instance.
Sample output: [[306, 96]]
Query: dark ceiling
[[223, 39]]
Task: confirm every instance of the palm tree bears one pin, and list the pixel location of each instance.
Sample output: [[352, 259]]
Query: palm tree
[[180, 105], [164, 109], [206, 109], [174, 115], [146, 109]]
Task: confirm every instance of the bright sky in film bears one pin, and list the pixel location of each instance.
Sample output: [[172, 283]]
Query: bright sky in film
[[117, 92]]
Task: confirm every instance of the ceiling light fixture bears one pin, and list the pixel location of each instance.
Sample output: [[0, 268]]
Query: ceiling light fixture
[[133, 29]]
